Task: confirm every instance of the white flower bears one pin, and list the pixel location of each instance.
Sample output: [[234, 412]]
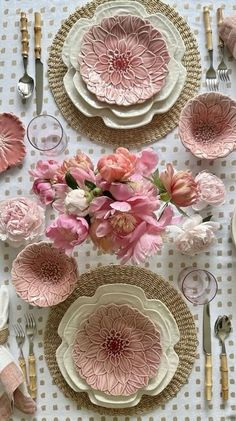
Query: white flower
[[195, 236], [211, 190], [77, 203]]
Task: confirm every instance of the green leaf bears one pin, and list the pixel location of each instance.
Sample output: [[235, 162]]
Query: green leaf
[[208, 218], [71, 181], [181, 211], [165, 197], [90, 184]]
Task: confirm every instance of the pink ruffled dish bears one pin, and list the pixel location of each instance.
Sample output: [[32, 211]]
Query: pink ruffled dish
[[12, 148], [207, 125], [117, 350], [124, 60], [43, 275]]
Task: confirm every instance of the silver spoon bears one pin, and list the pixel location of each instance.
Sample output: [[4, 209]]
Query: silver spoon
[[25, 85], [222, 330]]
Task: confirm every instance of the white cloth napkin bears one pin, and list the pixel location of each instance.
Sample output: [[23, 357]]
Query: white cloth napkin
[[13, 390]]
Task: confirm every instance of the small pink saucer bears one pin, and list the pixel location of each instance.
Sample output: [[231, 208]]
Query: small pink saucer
[[12, 148]]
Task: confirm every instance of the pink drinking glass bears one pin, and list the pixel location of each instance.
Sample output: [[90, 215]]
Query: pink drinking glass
[[46, 134], [198, 285]]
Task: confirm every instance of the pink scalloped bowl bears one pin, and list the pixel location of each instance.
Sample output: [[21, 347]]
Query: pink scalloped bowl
[[117, 350], [43, 275], [12, 148], [207, 125], [123, 60]]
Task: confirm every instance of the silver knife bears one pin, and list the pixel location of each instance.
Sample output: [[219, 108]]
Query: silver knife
[[38, 63], [207, 350]]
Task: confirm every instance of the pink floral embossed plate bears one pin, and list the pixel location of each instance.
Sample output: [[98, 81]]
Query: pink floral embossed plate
[[207, 125], [124, 60], [43, 275], [12, 148], [117, 350]]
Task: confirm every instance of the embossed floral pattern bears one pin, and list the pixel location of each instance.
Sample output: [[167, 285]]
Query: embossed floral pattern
[[44, 276], [124, 60], [208, 125], [117, 350], [12, 148]]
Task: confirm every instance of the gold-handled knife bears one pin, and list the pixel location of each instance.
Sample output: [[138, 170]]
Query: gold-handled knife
[[38, 63], [207, 350]]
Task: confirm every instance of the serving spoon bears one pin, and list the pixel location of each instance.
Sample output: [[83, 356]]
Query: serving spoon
[[222, 330], [25, 85]]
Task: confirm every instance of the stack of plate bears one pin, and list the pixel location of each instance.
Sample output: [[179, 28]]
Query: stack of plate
[[154, 313], [124, 65]]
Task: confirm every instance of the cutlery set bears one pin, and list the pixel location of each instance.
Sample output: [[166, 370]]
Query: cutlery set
[[25, 85], [222, 329], [222, 73], [30, 328]]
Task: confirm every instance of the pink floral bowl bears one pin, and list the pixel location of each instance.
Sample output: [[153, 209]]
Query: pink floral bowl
[[43, 275], [117, 350], [12, 147], [207, 125], [123, 60]]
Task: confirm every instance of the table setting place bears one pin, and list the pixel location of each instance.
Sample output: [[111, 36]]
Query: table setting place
[[117, 210]]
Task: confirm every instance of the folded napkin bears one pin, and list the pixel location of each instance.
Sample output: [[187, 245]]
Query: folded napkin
[[227, 32], [13, 390]]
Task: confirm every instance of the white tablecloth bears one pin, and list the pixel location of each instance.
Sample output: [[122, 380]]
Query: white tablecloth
[[189, 404]]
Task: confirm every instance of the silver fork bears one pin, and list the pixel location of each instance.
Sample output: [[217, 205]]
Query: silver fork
[[211, 75], [30, 326], [222, 69], [20, 339]]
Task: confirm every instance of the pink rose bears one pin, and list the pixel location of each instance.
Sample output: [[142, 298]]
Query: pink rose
[[118, 166], [45, 169], [68, 231], [21, 221], [195, 236], [180, 186], [147, 161], [211, 190], [44, 190]]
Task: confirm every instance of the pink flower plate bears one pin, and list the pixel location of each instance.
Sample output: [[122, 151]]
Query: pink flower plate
[[207, 125], [117, 350], [43, 275], [123, 60], [12, 148]]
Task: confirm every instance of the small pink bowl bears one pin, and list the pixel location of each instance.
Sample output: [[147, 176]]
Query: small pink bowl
[[207, 125], [43, 275]]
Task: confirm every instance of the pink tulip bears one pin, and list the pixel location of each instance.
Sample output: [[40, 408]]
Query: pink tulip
[[68, 231], [44, 190], [181, 186], [118, 166]]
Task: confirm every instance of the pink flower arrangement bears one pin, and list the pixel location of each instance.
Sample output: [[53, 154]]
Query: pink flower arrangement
[[117, 204]]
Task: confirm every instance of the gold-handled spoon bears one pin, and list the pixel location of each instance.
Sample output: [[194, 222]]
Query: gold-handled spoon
[[25, 85], [222, 330]]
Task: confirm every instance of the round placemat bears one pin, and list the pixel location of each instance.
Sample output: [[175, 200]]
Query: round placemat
[[94, 127], [154, 286]]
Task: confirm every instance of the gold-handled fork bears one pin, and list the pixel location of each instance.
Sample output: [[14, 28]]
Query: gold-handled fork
[[30, 327], [211, 75], [222, 69], [20, 339]]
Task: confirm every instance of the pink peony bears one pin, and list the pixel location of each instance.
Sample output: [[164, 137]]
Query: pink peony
[[131, 227], [44, 190], [68, 231], [180, 186], [147, 161], [118, 166], [21, 221], [80, 161], [195, 236], [211, 190], [45, 169], [117, 350]]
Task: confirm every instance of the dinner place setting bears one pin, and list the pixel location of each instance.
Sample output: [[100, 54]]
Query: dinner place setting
[[117, 211]]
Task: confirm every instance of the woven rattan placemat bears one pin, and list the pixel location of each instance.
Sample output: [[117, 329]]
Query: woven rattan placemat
[[154, 286], [94, 127]]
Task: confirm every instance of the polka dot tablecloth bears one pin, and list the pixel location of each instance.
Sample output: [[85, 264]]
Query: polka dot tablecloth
[[189, 404]]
